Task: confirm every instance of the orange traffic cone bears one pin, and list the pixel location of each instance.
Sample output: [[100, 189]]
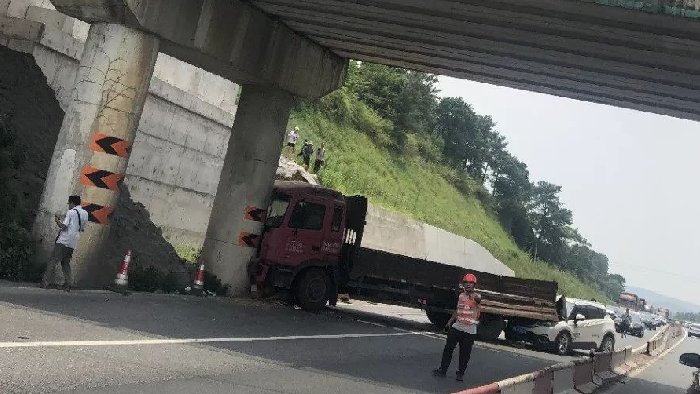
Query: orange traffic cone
[[121, 282], [198, 285]]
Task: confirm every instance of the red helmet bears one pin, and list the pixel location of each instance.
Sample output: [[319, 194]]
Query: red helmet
[[470, 278]]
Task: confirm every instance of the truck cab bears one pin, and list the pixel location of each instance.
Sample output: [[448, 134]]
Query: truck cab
[[306, 243]]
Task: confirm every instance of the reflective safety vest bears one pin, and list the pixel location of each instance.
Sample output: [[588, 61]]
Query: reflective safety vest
[[468, 309]]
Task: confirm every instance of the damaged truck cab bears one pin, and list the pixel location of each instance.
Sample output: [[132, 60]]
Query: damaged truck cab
[[307, 243]]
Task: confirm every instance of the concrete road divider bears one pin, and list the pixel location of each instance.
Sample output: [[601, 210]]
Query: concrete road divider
[[563, 377], [582, 376], [603, 368]]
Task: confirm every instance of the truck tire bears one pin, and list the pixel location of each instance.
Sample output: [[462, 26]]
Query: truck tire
[[311, 289], [438, 318], [490, 327]]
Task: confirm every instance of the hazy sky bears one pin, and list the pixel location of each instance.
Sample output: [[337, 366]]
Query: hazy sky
[[630, 178]]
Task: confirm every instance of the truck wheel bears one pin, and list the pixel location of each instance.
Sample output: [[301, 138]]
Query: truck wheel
[[312, 290], [490, 327], [438, 318], [562, 343]]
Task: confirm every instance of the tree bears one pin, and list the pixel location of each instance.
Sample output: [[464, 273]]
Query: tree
[[550, 221], [512, 191], [406, 98], [469, 138]]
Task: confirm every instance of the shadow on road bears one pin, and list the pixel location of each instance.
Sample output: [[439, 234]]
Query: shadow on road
[[392, 361]]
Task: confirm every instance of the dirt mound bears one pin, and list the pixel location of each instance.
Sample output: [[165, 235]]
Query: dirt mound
[[288, 170], [29, 107], [131, 228]]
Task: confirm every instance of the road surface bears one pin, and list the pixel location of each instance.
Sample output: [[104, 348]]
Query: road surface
[[101, 342], [665, 376]]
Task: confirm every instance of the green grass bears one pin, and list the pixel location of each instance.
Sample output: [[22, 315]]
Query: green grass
[[356, 165]]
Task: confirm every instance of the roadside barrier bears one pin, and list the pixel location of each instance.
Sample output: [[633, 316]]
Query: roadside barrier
[[581, 376]]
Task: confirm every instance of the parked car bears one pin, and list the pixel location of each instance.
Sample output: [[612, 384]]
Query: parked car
[[648, 320], [692, 360], [694, 330], [659, 321], [584, 325], [636, 326]]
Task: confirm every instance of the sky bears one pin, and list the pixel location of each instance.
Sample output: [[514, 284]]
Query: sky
[[630, 178]]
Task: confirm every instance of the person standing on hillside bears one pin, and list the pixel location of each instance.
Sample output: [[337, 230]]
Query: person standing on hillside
[[306, 151], [292, 137], [320, 157], [462, 328], [74, 221]]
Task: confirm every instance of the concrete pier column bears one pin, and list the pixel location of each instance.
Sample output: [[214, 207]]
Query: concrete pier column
[[246, 181], [93, 145]]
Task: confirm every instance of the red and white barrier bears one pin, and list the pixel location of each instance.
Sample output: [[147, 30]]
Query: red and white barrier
[[580, 376]]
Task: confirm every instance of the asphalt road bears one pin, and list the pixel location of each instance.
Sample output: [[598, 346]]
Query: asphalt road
[[100, 342], [665, 376]]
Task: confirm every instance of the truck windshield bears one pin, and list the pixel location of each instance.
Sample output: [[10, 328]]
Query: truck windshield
[[278, 207]]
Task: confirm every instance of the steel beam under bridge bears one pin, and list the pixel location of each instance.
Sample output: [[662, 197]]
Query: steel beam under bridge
[[572, 48]]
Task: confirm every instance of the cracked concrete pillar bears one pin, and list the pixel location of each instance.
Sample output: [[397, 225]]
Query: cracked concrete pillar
[[92, 150], [246, 181]]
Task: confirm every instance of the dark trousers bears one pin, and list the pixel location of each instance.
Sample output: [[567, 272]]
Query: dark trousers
[[466, 341]]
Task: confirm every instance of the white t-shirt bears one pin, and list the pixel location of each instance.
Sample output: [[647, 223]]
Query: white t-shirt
[[71, 234], [292, 137]]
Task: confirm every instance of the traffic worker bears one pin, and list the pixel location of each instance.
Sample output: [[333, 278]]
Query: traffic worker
[[462, 328]]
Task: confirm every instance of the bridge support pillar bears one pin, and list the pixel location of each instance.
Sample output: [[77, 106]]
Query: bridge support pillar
[[245, 184], [92, 150]]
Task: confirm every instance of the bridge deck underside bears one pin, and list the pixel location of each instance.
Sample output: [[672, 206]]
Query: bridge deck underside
[[567, 48]]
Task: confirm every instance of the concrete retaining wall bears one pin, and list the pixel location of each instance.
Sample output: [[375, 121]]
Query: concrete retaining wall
[[183, 134]]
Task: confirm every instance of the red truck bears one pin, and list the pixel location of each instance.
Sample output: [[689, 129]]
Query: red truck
[[311, 245]]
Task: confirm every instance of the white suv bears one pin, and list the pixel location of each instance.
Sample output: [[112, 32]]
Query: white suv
[[584, 325], [694, 330]]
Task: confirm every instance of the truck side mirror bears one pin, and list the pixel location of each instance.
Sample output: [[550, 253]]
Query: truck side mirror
[[690, 359]]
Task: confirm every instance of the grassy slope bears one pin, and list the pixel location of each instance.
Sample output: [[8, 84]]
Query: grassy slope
[[357, 166]]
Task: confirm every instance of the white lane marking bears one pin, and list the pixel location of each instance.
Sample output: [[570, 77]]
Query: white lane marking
[[191, 340], [427, 334], [372, 323]]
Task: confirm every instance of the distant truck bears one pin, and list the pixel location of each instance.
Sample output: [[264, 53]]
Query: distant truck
[[311, 245], [631, 301]]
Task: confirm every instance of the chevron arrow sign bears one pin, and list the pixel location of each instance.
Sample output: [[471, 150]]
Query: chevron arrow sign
[[91, 176], [109, 145], [97, 213]]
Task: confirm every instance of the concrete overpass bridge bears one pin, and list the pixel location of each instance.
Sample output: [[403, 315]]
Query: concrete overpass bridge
[[281, 49]]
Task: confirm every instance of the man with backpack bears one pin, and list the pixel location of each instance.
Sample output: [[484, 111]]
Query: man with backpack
[[74, 222], [306, 151]]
